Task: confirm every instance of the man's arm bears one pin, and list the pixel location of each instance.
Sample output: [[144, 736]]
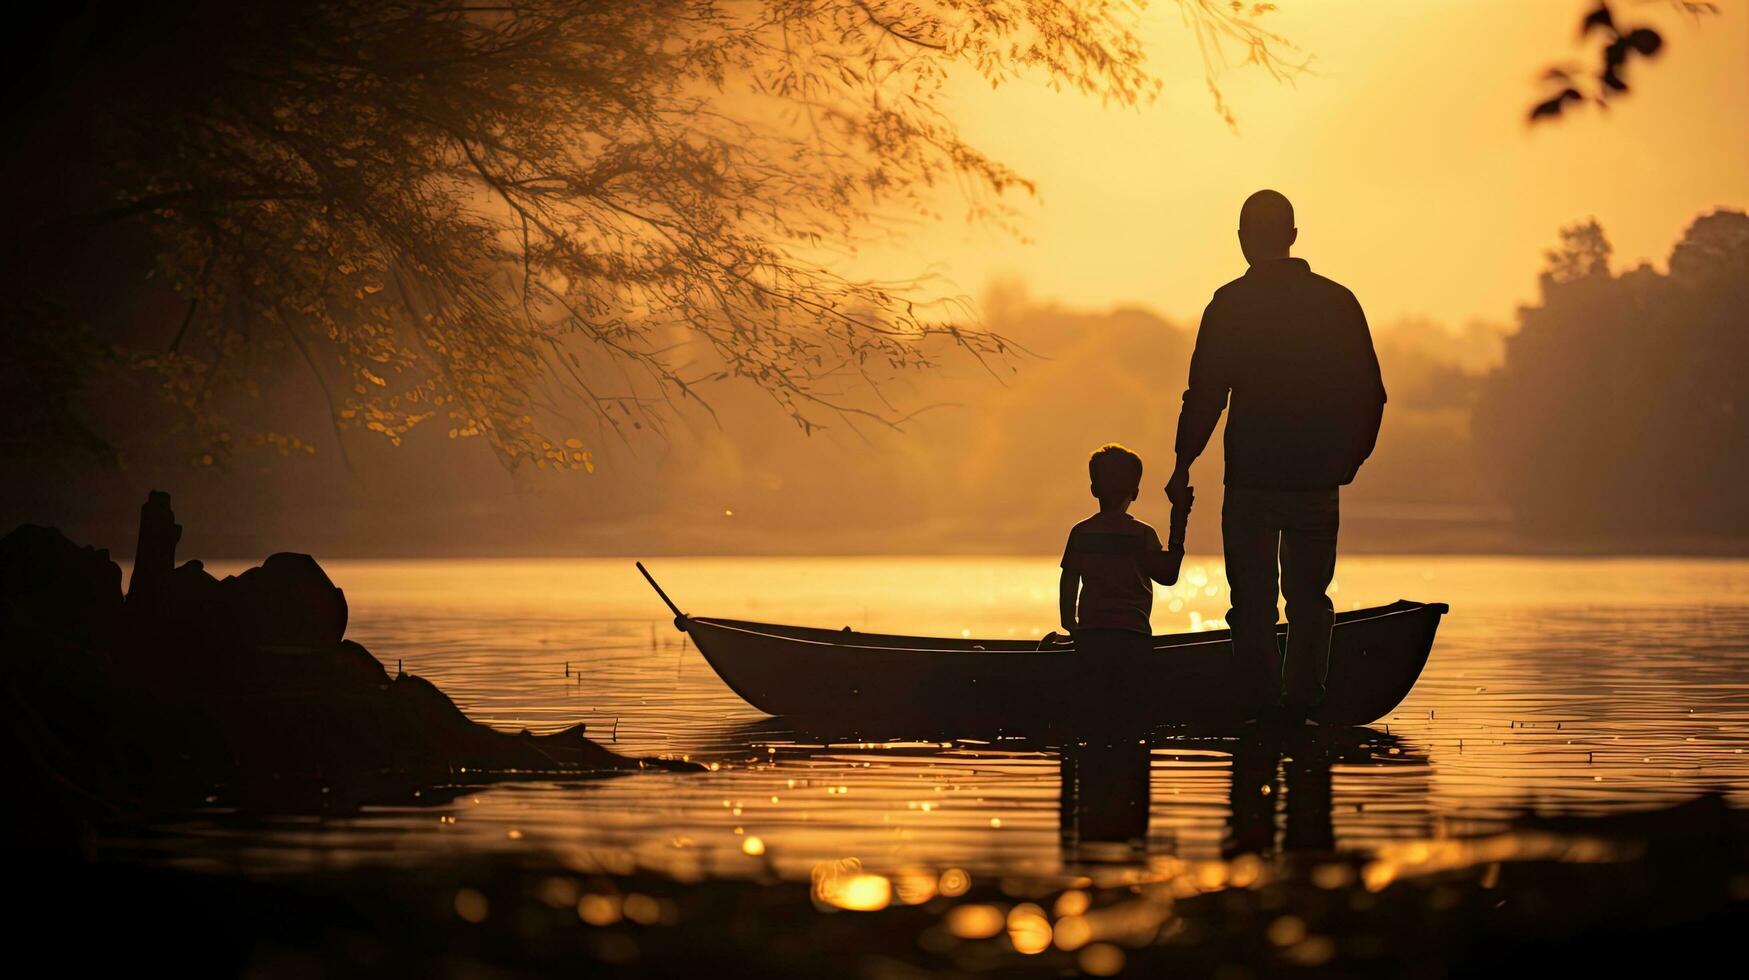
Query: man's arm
[[1162, 564], [1068, 591], [1204, 399], [1372, 416]]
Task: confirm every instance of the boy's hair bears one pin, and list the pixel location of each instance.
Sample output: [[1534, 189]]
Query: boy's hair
[[1115, 471]]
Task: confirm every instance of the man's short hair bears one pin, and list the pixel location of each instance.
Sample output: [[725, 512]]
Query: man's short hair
[[1114, 470], [1267, 213]]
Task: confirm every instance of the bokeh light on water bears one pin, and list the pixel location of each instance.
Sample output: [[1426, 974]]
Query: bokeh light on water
[[1572, 686]]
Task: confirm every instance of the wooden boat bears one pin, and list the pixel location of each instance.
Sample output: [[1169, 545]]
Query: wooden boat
[[1189, 678]]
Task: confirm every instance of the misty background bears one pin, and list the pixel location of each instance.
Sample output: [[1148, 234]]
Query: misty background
[[1608, 416]]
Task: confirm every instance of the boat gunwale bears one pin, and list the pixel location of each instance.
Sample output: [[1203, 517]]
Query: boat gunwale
[[1402, 607]]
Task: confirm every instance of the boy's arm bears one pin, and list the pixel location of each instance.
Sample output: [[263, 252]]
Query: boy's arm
[[1068, 591], [1162, 564]]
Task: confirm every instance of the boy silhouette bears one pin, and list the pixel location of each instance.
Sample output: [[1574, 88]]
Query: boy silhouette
[[1112, 561]]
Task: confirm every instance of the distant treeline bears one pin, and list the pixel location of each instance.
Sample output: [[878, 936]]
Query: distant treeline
[[1622, 407]]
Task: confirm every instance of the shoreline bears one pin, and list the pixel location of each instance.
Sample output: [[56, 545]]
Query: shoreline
[[1663, 887]]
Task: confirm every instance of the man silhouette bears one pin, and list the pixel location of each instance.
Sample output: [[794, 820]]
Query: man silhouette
[[1293, 349]]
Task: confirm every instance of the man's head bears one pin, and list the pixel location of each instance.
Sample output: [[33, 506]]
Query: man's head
[[1266, 227], [1116, 473]]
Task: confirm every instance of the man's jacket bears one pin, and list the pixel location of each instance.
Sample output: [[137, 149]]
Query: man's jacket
[[1292, 351]]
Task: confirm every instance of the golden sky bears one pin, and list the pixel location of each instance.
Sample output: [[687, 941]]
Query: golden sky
[[1416, 180]]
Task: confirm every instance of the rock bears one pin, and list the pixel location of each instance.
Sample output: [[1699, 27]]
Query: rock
[[243, 687], [59, 606], [355, 666], [571, 748], [288, 601], [155, 552], [51, 585]]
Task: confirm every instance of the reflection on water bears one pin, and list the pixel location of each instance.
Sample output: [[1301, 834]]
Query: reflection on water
[[1104, 790], [1571, 686]]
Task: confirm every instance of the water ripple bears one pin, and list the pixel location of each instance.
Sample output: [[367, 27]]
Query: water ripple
[[1556, 686]]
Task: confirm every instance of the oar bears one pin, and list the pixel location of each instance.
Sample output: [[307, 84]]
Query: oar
[[679, 617]]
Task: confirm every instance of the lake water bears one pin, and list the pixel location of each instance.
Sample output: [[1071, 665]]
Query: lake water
[[1556, 686]]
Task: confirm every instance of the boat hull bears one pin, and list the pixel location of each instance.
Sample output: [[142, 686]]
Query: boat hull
[[1188, 678]]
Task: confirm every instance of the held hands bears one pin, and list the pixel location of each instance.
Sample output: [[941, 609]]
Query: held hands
[[1178, 486], [1180, 492], [1182, 499]]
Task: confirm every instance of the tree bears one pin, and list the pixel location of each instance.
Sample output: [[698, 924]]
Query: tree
[[523, 220], [1584, 252], [1715, 247], [1621, 408]]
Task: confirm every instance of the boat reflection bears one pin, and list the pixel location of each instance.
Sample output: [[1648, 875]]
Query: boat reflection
[[1125, 797]]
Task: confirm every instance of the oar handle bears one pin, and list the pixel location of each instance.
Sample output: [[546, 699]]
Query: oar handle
[[679, 617]]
